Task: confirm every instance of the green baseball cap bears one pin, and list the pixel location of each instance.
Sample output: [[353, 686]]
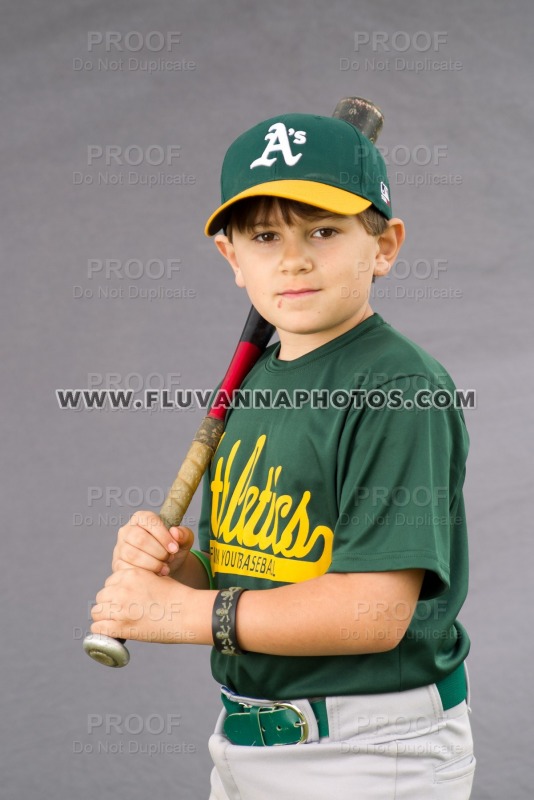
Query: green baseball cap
[[322, 161]]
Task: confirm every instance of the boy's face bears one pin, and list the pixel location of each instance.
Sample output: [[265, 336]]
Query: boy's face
[[312, 278]]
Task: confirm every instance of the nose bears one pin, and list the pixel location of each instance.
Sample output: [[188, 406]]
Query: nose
[[294, 257]]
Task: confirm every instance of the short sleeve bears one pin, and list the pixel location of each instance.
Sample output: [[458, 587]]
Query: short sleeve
[[399, 483]]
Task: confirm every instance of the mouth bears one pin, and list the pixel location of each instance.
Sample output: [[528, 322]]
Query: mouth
[[297, 293]]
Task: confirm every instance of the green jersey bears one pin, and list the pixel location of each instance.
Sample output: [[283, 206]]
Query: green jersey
[[347, 459]]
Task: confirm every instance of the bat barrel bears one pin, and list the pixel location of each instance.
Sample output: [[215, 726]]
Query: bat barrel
[[361, 113]]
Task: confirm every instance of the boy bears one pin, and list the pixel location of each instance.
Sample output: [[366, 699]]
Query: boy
[[333, 508]]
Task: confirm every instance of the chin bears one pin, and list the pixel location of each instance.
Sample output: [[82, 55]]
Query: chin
[[303, 329]]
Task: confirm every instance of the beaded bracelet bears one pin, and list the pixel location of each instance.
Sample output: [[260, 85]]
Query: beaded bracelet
[[223, 621]]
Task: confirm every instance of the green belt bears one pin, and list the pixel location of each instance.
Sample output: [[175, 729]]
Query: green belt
[[284, 723], [453, 688], [276, 723]]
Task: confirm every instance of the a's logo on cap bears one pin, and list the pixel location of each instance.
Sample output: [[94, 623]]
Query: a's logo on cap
[[278, 141], [384, 192]]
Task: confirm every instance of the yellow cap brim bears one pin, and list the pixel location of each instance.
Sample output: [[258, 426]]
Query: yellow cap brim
[[321, 195]]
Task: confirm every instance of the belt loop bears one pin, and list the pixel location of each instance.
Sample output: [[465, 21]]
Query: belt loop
[[313, 728]]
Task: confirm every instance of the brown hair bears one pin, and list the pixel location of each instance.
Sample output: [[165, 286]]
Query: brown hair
[[246, 213]]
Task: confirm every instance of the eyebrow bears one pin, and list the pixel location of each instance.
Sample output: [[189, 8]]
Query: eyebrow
[[265, 223]]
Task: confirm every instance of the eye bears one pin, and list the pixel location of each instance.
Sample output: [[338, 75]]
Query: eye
[[324, 233], [265, 237]]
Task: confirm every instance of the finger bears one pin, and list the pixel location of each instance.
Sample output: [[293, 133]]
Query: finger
[[153, 526], [122, 630], [130, 556], [120, 566], [148, 541], [183, 536], [115, 629], [114, 579], [105, 608], [114, 601], [127, 579]]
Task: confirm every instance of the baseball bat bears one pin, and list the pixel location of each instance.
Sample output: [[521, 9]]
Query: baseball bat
[[254, 338]]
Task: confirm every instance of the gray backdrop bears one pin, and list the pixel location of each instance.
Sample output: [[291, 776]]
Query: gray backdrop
[[454, 81]]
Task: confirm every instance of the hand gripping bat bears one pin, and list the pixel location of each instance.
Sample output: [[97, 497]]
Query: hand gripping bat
[[254, 339]]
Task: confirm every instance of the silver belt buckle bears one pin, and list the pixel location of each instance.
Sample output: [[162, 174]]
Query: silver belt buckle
[[303, 724]]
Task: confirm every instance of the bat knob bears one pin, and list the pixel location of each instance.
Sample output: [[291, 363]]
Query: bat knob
[[106, 650]]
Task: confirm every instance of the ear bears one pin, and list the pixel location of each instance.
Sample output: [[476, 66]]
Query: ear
[[389, 244], [227, 250]]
